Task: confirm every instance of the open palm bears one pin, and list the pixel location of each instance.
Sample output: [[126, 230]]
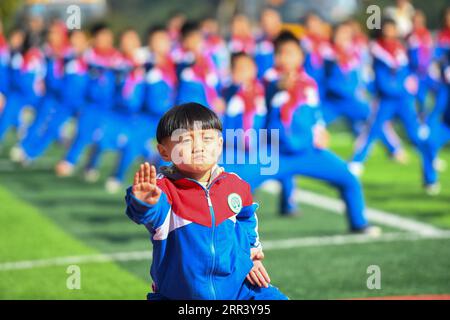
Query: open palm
[[144, 185]]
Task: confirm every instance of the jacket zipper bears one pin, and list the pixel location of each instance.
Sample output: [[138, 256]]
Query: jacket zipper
[[213, 223], [213, 249]]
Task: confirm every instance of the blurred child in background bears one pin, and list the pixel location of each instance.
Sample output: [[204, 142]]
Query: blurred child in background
[[102, 60], [56, 51], [160, 85], [27, 82], [271, 25], [396, 87], [294, 110], [241, 36], [121, 121], [198, 76]]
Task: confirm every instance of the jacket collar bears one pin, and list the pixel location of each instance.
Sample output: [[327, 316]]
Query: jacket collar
[[172, 173]]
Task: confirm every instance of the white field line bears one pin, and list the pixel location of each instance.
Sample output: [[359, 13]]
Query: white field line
[[374, 215], [336, 240]]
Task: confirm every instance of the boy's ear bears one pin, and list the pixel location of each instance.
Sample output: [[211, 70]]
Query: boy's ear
[[163, 152]]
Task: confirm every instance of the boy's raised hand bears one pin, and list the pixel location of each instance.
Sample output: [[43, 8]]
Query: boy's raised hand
[[144, 185]]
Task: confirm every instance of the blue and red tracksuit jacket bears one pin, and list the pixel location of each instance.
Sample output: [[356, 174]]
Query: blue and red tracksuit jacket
[[294, 112], [264, 55], [76, 78], [198, 79], [245, 109], [101, 85], [342, 79], [391, 70], [201, 236], [160, 87], [4, 65]]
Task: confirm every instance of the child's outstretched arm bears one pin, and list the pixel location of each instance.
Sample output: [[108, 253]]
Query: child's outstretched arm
[[146, 203]]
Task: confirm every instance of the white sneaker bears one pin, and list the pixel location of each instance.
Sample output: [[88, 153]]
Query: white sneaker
[[113, 185], [433, 189], [91, 175], [356, 168], [17, 154], [371, 231]]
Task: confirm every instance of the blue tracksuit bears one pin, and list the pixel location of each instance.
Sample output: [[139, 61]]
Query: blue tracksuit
[[101, 85], [247, 110], [121, 122], [420, 54], [198, 79], [54, 80], [439, 127], [295, 114], [264, 55], [70, 102], [159, 96], [343, 92], [317, 50], [27, 73], [201, 238], [395, 98], [4, 66]]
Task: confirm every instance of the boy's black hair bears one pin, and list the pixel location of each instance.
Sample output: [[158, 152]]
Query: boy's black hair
[[154, 29], [98, 27], [185, 116], [235, 56], [285, 37], [188, 28]]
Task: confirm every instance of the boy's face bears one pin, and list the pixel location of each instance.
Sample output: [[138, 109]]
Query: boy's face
[[55, 36], [240, 26], [244, 70], [419, 21], [130, 42], [390, 31], [271, 22], [447, 18], [192, 151], [193, 42], [79, 41], [104, 40], [289, 56], [343, 36], [159, 43]]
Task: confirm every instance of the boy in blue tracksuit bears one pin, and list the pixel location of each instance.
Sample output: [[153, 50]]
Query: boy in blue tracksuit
[[56, 51], [201, 219], [102, 61], [344, 92], [198, 77], [271, 25], [396, 87], [343, 88], [247, 111], [160, 84], [293, 101], [420, 55], [122, 120], [4, 68], [438, 124], [69, 101], [26, 84], [317, 48]]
